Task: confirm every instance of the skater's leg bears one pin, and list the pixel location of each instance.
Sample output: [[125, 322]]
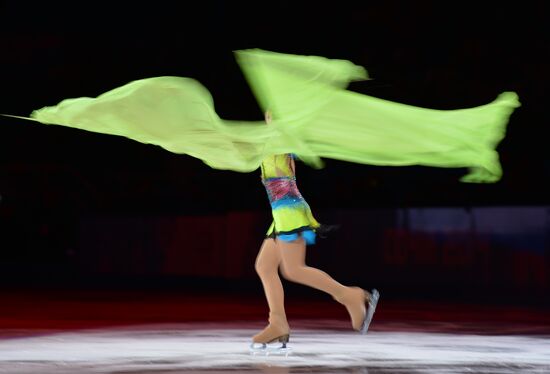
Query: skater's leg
[[267, 265], [294, 268]]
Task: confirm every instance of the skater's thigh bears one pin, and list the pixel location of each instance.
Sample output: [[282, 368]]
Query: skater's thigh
[[269, 255], [293, 255]]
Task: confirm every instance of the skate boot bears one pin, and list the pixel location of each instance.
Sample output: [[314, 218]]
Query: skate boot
[[360, 305], [274, 338]]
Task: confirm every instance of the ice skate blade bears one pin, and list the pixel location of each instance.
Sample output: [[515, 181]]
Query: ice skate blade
[[373, 301], [263, 349]]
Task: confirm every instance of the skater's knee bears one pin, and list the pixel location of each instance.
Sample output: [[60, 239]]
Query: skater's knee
[[264, 269]]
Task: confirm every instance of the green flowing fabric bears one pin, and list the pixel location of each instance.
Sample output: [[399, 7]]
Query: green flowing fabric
[[314, 116]]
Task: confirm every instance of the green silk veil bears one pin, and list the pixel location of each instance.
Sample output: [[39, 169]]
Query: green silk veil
[[314, 116]]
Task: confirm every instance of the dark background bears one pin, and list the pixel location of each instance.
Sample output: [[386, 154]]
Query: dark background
[[78, 208]]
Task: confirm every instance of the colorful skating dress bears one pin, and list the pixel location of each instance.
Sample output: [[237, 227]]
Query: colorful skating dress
[[292, 217]]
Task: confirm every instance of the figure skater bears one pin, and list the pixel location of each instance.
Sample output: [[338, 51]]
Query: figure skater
[[317, 117], [284, 249]]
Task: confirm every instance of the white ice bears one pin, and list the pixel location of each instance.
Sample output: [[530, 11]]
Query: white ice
[[163, 349]]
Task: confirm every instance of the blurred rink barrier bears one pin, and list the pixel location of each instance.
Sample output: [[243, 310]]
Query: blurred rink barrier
[[466, 250]]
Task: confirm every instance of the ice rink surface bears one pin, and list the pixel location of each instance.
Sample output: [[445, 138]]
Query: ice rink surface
[[316, 348]]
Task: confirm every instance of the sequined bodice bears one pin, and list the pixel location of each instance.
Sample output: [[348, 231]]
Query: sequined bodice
[[279, 178]]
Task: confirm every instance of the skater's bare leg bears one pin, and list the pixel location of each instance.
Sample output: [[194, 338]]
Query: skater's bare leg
[[294, 268], [267, 265]]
